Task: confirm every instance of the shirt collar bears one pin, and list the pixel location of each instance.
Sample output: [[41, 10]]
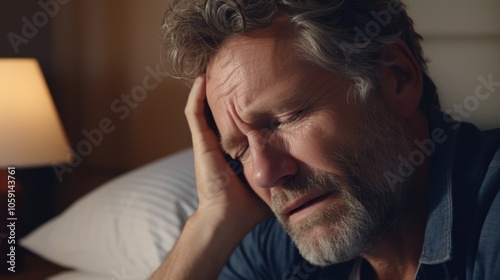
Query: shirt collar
[[437, 247]]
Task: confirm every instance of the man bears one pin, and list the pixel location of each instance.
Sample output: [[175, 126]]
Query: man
[[329, 109]]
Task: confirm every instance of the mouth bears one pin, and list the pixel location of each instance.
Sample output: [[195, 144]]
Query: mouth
[[305, 205]]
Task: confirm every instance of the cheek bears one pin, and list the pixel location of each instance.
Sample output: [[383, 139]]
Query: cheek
[[315, 144]]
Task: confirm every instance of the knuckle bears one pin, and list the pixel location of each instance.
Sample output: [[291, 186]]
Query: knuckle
[[189, 111]]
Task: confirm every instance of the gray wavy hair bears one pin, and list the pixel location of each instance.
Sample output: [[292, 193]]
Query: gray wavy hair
[[342, 36]]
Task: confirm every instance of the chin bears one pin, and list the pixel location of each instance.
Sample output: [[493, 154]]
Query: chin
[[329, 239], [324, 245]]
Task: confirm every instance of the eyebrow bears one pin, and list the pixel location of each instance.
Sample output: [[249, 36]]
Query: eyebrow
[[229, 143]]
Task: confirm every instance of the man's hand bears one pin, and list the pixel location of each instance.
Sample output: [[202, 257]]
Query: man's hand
[[227, 208], [221, 193]]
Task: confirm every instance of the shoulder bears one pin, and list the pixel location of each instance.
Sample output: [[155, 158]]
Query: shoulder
[[480, 175], [487, 260], [265, 253]]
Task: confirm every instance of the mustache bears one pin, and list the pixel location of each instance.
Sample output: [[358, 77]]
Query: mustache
[[302, 185]]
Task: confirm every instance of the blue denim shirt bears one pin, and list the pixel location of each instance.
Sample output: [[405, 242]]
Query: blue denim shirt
[[462, 236]]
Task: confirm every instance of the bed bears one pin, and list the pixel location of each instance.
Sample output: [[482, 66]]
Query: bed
[[121, 230]]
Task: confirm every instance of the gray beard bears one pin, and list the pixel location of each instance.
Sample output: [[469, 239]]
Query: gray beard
[[364, 206]]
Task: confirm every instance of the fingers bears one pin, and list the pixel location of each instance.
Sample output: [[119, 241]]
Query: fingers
[[220, 191], [202, 135], [210, 165], [194, 110]]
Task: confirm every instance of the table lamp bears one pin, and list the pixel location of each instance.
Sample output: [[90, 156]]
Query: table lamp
[[31, 135]]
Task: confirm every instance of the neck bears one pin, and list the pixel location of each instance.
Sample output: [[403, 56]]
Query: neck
[[396, 255]]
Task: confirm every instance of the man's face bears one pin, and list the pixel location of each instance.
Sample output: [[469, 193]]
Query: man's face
[[314, 154]]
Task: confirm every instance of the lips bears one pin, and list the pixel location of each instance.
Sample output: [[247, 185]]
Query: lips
[[304, 202]]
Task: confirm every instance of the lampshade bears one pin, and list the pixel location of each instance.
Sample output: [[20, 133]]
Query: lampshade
[[31, 133]]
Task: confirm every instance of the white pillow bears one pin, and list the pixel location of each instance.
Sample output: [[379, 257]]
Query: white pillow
[[127, 225]]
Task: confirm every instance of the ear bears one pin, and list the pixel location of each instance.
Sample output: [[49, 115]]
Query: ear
[[400, 79]]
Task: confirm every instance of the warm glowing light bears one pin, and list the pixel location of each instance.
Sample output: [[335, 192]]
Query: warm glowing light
[[31, 133]]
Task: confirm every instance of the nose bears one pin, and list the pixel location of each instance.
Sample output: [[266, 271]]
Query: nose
[[271, 161]]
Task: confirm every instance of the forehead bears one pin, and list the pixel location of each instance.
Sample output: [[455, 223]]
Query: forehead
[[245, 64]]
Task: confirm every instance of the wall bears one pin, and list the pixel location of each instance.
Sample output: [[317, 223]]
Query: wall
[[462, 44], [102, 52]]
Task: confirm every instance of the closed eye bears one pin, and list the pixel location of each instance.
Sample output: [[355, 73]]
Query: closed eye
[[241, 153], [290, 120], [276, 124]]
